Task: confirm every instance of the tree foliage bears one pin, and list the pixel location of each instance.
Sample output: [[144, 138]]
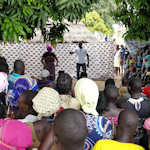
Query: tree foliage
[[94, 22], [135, 15], [105, 8], [19, 18]]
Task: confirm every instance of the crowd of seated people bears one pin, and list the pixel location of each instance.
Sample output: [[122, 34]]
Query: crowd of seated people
[[39, 113]]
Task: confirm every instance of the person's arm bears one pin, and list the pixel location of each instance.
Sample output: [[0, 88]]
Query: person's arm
[[87, 60]]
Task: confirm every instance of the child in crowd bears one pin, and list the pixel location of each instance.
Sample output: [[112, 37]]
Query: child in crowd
[[124, 138], [69, 132]]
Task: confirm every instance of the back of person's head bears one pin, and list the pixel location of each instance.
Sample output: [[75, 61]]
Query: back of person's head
[[64, 83], [19, 67], [70, 129], [127, 121], [87, 92], [80, 45], [111, 95], [25, 103], [109, 83], [135, 85], [83, 75], [4, 67], [2, 60], [122, 46]]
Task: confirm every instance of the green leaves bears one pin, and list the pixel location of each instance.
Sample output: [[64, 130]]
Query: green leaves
[[19, 18], [135, 15], [74, 9], [94, 23]]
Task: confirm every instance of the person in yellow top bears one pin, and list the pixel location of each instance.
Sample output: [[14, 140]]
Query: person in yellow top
[[123, 140]]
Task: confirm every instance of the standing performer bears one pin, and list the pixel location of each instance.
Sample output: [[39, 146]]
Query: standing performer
[[48, 60], [81, 54]]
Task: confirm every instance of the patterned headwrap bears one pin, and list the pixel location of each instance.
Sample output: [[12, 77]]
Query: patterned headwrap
[[86, 91], [22, 83], [14, 135], [49, 48], [46, 102], [3, 82]]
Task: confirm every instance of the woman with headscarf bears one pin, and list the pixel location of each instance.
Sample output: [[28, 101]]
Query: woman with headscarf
[[22, 84], [48, 60], [14, 135], [86, 91], [47, 103]]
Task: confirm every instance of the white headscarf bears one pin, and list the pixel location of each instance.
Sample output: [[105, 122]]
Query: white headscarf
[[86, 91], [3, 82], [46, 102]]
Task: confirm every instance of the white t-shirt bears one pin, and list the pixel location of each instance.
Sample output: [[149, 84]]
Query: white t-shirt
[[81, 54], [117, 55]]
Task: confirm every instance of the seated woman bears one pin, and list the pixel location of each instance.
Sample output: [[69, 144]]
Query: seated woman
[[64, 87], [86, 91], [47, 104], [22, 84]]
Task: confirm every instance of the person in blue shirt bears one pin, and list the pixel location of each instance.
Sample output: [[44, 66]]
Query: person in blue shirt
[[19, 69]]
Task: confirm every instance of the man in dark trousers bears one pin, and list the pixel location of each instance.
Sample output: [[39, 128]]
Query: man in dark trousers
[[81, 54]]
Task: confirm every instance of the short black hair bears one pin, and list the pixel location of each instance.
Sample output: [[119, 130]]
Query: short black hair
[[70, 125], [80, 44], [128, 119], [4, 67], [109, 83], [110, 95], [64, 83], [19, 66], [135, 85]]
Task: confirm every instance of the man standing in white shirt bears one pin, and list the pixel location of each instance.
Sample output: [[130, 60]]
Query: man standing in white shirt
[[81, 54]]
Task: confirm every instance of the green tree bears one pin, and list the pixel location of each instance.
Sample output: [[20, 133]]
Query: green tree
[[94, 22], [105, 8], [135, 15], [19, 18]]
